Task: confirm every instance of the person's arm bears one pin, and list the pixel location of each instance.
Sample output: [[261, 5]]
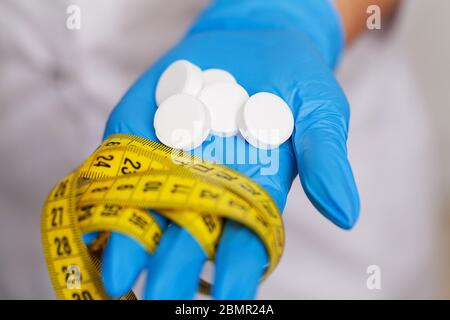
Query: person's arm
[[354, 14]]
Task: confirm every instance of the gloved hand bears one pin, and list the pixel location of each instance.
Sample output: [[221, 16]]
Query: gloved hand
[[287, 47]]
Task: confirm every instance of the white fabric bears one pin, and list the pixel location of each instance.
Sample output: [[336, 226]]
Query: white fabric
[[57, 86]]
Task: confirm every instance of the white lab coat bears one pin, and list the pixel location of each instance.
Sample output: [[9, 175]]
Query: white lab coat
[[57, 87]]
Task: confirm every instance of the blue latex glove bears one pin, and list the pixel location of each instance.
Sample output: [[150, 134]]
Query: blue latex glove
[[287, 47]]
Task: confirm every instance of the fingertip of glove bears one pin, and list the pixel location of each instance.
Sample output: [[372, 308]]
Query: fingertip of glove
[[335, 195], [123, 260], [351, 214], [175, 266], [328, 181], [240, 262], [344, 216], [113, 288], [113, 284]]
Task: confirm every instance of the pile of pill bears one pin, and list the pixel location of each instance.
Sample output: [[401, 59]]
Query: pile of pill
[[193, 104]]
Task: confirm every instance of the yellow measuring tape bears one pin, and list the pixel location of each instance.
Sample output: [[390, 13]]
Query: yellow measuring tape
[[114, 187]]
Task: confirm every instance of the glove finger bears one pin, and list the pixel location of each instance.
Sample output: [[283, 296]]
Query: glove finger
[[240, 262], [123, 260], [175, 267], [319, 139]]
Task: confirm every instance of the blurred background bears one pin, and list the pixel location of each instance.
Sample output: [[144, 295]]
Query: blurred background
[[57, 87]]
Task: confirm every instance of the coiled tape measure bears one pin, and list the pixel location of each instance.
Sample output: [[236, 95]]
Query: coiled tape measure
[[114, 187]]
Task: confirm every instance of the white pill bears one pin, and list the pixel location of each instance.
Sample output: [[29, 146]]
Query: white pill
[[181, 76], [211, 76], [266, 121], [182, 122], [224, 102]]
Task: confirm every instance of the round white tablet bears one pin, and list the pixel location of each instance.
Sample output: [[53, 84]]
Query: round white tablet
[[211, 76], [181, 76], [182, 122], [266, 121], [224, 102]]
